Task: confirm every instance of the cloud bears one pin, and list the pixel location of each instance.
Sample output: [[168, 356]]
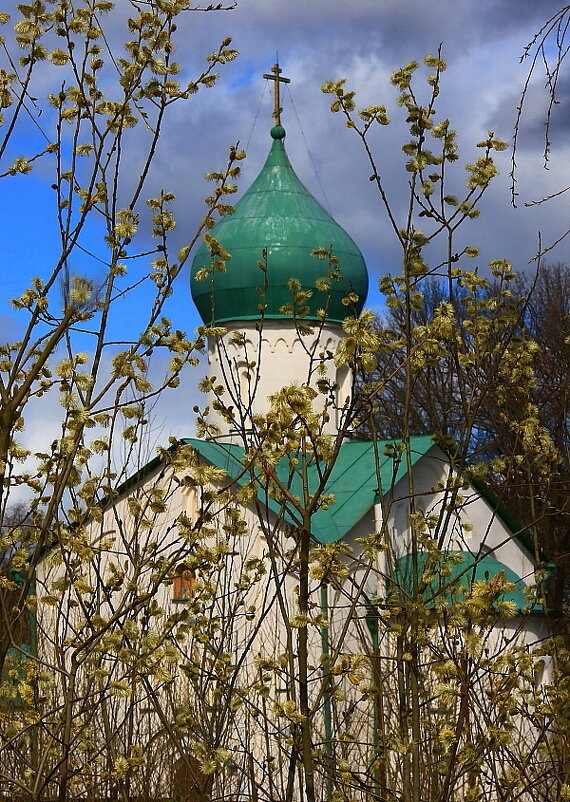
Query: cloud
[[170, 414], [363, 41]]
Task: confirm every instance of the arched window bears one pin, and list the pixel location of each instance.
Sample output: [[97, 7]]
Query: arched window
[[189, 783], [183, 585]]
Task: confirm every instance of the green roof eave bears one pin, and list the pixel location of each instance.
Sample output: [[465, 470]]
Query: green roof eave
[[523, 536], [353, 481], [454, 582]]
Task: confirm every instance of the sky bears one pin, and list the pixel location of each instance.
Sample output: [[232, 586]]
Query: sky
[[363, 41]]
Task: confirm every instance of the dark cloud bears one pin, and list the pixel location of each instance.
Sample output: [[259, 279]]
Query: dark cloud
[[364, 40], [399, 30], [538, 114]]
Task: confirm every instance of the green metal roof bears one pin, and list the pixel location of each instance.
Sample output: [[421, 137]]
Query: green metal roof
[[353, 480], [454, 583], [354, 483], [277, 215]]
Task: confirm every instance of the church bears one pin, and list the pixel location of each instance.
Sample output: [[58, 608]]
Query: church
[[274, 610]]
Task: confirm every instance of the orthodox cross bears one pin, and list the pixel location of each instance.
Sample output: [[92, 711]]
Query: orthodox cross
[[276, 78]]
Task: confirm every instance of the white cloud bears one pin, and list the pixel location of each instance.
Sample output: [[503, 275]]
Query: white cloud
[[365, 41]]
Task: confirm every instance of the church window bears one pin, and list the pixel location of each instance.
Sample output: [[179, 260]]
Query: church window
[[539, 674], [183, 585], [189, 783]]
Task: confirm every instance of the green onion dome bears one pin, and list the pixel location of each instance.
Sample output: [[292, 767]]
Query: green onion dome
[[278, 222]]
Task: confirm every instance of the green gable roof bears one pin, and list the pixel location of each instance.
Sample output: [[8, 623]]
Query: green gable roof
[[277, 216], [455, 581], [353, 480]]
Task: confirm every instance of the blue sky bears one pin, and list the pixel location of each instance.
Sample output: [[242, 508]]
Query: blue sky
[[363, 41]]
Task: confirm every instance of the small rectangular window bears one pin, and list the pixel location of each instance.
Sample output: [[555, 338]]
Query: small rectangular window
[[183, 585]]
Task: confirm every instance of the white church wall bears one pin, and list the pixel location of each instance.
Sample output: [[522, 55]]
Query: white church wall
[[225, 615], [254, 624], [471, 524]]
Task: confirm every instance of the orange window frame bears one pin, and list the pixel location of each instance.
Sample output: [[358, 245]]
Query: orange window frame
[[183, 585]]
